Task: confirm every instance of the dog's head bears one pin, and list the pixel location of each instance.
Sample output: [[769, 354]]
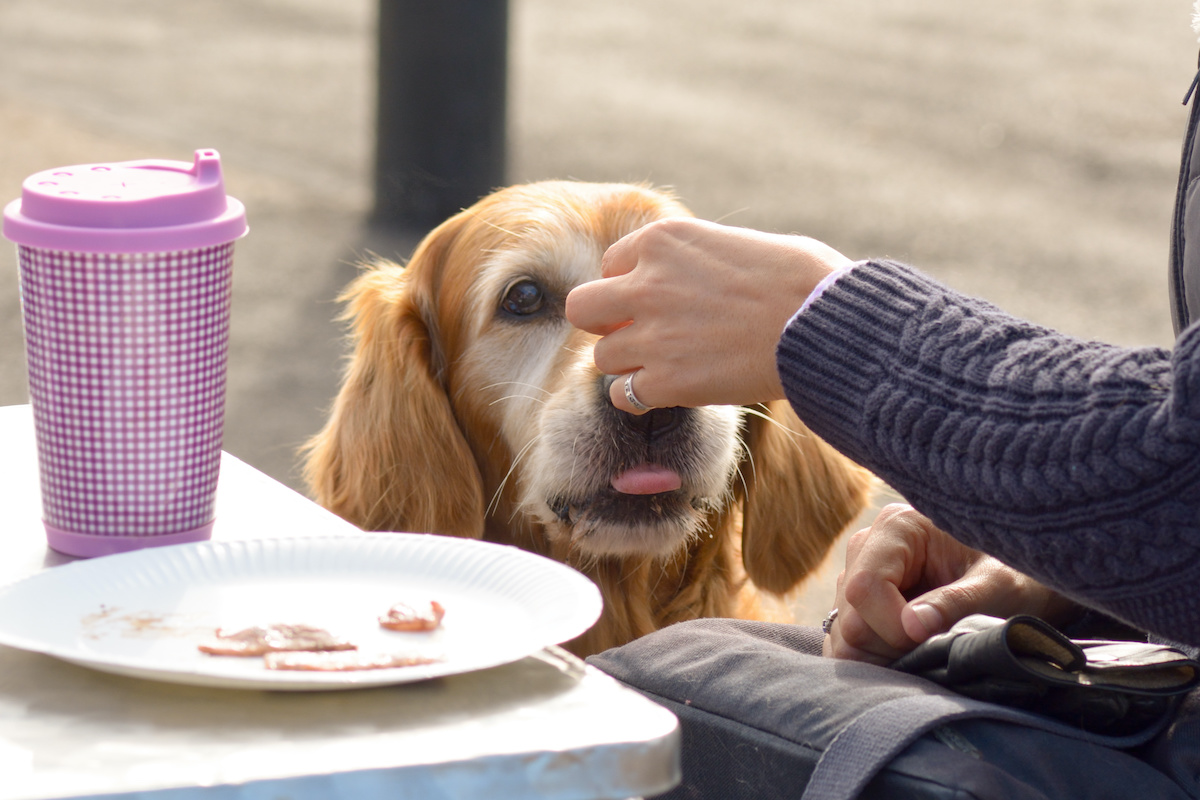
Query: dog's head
[[471, 407]]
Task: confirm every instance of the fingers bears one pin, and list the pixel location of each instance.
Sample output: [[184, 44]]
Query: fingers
[[979, 590], [596, 307], [622, 256], [698, 308], [986, 586], [620, 393], [924, 619], [600, 306], [883, 565], [851, 637], [874, 602], [870, 597], [906, 580], [885, 562], [609, 356], [612, 353], [849, 628]]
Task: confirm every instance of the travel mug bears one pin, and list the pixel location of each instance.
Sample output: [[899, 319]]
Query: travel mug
[[125, 274]]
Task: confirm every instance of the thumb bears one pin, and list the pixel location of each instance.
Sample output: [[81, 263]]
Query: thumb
[[937, 610]]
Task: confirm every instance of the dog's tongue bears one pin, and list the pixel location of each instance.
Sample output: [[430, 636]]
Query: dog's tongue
[[647, 479]]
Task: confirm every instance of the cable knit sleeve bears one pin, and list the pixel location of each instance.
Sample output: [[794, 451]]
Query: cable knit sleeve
[[1076, 462]]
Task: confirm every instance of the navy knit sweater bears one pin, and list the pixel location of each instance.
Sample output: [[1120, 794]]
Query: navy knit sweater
[[1075, 462]]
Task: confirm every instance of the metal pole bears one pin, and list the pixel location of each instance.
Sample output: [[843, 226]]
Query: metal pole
[[441, 108]]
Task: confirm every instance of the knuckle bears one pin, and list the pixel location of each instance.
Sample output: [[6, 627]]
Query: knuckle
[[669, 229], [859, 586], [859, 537], [855, 544], [956, 600], [894, 509], [902, 513], [667, 225]]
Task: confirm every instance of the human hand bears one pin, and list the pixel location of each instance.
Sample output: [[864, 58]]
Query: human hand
[[906, 580], [696, 310]]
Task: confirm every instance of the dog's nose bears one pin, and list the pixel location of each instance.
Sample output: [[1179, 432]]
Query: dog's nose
[[653, 423], [658, 421]]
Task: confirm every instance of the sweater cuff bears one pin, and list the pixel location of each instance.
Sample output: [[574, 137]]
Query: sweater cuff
[[835, 350], [825, 283]]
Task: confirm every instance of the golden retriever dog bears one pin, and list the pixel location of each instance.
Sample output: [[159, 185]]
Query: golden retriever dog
[[471, 407]]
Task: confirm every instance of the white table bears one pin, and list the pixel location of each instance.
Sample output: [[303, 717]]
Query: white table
[[548, 726]]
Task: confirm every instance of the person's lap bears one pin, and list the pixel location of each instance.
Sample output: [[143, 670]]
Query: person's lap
[[758, 706]]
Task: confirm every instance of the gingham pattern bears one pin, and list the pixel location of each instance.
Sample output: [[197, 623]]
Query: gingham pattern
[[126, 356]]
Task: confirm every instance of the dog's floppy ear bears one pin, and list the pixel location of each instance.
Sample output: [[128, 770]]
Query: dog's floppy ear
[[392, 456], [800, 494]]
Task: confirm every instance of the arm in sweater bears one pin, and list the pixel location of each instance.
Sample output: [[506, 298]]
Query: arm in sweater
[[1075, 462]]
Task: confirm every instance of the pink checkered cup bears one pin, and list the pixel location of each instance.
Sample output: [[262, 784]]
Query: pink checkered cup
[[125, 288]]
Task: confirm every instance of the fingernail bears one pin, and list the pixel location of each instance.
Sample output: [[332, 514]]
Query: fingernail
[[929, 617]]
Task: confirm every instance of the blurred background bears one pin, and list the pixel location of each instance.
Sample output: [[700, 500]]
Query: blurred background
[[1024, 151]]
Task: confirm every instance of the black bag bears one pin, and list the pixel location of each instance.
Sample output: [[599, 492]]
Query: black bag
[[1109, 687], [763, 716]]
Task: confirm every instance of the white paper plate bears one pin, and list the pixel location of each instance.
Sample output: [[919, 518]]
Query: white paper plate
[[143, 613]]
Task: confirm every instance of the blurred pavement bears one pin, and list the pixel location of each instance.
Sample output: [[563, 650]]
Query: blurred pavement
[[1024, 151]]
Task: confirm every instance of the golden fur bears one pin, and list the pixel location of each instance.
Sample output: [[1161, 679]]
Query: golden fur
[[471, 407]]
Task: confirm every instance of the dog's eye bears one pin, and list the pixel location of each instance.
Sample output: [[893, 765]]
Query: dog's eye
[[523, 298]]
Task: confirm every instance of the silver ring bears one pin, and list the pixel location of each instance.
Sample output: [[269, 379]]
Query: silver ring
[[827, 623], [631, 397]]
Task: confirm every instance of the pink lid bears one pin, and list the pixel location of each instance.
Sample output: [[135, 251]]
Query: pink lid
[[148, 206]]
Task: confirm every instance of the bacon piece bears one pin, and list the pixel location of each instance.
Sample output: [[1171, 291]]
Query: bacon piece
[[273, 638], [413, 616], [342, 662]]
